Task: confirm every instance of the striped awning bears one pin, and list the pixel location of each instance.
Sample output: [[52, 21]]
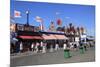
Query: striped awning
[[61, 37], [30, 37], [49, 37]]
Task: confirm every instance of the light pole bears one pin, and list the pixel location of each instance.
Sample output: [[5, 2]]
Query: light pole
[[27, 13]]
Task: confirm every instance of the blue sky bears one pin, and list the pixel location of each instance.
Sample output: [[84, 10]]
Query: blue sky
[[79, 15]]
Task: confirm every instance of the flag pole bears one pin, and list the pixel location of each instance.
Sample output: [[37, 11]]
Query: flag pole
[[42, 27]]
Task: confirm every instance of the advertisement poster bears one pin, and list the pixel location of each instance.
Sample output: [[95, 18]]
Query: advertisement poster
[[43, 32]]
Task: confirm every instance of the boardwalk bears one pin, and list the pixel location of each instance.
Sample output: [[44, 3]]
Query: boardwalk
[[55, 57]]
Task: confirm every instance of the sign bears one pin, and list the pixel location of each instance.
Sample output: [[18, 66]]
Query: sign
[[20, 27], [36, 29], [28, 28]]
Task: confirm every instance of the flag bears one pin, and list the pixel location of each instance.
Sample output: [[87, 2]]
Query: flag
[[17, 14], [38, 19]]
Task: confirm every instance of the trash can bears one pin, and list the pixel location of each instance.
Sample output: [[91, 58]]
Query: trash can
[[67, 53], [81, 50]]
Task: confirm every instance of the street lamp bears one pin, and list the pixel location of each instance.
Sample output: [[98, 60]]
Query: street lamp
[[27, 13]]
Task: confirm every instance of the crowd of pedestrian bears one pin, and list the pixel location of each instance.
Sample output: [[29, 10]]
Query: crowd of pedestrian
[[42, 47]]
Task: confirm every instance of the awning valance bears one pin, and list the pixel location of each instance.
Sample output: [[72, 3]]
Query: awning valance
[[62, 37], [30, 37], [49, 37]]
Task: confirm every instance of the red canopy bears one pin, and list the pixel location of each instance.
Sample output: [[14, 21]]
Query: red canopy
[[30, 37], [48, 37], [61, 37]]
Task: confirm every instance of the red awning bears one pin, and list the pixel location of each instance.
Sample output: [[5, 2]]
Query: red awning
[[48, 37], [62, 37], [30, 37]]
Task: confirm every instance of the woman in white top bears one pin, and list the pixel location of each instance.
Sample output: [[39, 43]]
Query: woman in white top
[[32, 46], [56, 47], [21, 47], [36, 47], [41, 46], [44, 48], [64, 46]]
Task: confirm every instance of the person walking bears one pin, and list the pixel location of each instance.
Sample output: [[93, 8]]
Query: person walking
[[36, 47], [75, 46], [32, 47], [21, 47], [41, 46], [64, 46], [44, 48], [51, 48], [85, 46], [56, 47]]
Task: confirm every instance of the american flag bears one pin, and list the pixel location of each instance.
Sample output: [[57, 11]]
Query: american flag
[[17, 14]]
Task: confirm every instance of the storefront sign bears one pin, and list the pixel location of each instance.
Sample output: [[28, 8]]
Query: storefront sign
[[28, 28], [20, 27], [36, 29]]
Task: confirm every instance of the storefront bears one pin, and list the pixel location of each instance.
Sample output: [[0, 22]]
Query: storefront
[[31, 34], [53, 38]]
